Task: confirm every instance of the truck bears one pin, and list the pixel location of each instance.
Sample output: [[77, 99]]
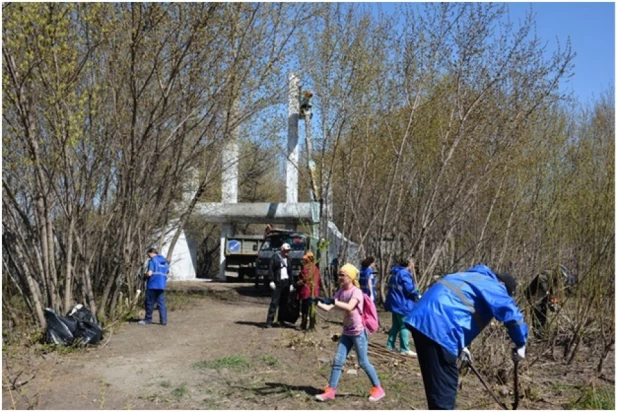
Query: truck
[[299, 242], [241, 252]]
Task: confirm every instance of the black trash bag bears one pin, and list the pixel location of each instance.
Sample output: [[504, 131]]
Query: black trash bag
[[89, 333], [81, 313], [289, 311], [79, 325], [87, 330], [60, 331]]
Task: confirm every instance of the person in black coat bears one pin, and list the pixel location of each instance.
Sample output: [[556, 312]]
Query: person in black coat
[[280, 273]]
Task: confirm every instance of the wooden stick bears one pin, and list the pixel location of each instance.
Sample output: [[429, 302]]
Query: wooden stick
[[418, 287]]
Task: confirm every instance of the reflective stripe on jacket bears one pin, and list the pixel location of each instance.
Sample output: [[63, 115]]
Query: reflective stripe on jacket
[[455, 309]]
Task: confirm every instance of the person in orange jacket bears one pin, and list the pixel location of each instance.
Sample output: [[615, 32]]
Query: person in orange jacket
[[308, 286]]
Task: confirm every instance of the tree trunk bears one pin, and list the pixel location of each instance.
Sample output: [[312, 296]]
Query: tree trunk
[[68, 290]]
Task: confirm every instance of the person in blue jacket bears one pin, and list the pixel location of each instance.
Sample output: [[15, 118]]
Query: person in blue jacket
[[450, 315], [400, 298], [156, 276], [367, 278]]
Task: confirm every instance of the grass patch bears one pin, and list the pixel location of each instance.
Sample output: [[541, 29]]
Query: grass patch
[[398, 387], [165, 384], [384, 377], [269, 360], [180, 301], [360, 390], [595, 398], [60, 349], [534, 393], [180, 391], [561, 387], [229, 362]]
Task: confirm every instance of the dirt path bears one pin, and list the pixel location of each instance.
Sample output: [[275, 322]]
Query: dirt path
[[214, 354]]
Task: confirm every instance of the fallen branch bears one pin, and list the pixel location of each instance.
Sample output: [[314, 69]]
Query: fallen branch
[[16, 385], [111, 332], [13, 403], [381, 350], [606, 379]]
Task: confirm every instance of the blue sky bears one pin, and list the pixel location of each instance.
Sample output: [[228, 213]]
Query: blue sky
[[590, 27]]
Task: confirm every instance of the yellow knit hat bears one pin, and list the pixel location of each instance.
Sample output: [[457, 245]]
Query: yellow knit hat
[[351, 271]]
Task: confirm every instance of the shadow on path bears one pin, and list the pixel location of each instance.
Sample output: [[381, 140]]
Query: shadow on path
[[272, 388]]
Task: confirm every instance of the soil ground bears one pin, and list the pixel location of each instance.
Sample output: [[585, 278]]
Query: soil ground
[[214, 354]]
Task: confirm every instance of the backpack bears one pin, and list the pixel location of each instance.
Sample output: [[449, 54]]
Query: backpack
[[369, 314]]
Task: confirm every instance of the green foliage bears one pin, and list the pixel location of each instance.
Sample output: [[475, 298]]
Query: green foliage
[[61, 349], [176, 301], [534, 392], [269, 360], [180, 391], [229, 362], [593, 398]]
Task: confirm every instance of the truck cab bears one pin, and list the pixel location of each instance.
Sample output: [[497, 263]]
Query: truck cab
[[300, 244], [241, 253]]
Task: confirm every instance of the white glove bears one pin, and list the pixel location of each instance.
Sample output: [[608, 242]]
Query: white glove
[[272, 285], [519, 354], [465, 355], [291, 288]]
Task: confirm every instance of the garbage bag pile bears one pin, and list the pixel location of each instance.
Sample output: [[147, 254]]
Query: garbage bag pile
[[78, 326], [289, 311]]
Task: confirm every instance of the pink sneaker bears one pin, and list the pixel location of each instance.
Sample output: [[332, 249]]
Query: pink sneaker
[[376, 393], [329, 393]]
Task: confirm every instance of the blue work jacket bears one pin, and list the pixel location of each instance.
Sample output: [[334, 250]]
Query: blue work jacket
[[457, 307], [402, 292], [366, 278], [160, 268]]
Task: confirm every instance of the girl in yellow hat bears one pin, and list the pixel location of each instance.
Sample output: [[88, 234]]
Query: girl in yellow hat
[[350, 299]]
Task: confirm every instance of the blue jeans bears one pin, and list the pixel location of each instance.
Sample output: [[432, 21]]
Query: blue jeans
[[152, 296], [360, 343]]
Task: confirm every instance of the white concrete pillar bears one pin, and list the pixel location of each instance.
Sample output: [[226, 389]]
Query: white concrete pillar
[[229, 160], [184, 260], [226, 230], [291, 171], [189, 189], [229, 174], [229, 180]]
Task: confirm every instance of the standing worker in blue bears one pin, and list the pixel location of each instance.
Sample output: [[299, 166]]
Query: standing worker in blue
[[402, 293], [450, 315], [367, 278], [156, 276]]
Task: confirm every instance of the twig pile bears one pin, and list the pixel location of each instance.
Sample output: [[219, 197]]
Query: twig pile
[[378, 353]]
